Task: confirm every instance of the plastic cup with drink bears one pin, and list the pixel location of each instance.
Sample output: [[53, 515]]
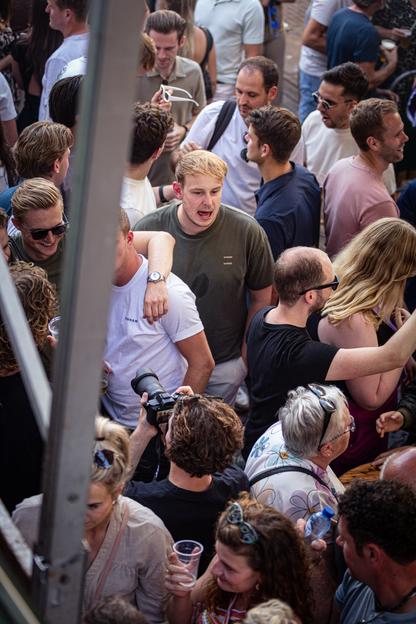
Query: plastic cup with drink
[[53, 327], [405, 37], [188, 553], [388, 45]]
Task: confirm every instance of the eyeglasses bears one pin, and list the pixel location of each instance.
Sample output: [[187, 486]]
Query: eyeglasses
[[326, 104], [334, 285], [104, 458], [350, 429], [57, 230], [248, 534], [327, 405], [168, 97]]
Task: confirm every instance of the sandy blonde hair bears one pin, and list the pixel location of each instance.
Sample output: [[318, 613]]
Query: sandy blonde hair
[[35, 194], [372, 271], [111, 436], [271, 612], [200, 161]]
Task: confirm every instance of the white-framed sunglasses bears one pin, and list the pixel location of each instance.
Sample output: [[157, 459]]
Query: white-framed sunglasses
[[176, 98]]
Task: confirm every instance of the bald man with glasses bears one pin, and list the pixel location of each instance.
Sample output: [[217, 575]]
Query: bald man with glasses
[[281, 354]]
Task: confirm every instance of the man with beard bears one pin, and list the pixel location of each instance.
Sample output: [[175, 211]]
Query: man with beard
[[256, 86], [354, 192], [281, 354]]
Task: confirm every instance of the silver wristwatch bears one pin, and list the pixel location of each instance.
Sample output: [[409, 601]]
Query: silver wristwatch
[[155, 276]]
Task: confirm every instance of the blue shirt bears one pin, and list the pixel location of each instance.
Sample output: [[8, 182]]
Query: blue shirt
[[351, 37], [6, 199], [288, 209]]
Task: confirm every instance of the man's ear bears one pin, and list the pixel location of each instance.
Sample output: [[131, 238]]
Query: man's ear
[[157, 153], [130, 237], [177, 189], [372, 553], [372, 143], [182, 41], [271, 94], [16, 224], [265, 150]]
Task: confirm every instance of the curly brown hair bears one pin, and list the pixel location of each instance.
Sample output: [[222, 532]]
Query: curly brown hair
[[197, 422], [151, 125], [280, 556], [40, 304]]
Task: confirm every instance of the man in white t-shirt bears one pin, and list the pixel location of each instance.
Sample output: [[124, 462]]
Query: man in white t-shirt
[[237, 27], [151, 125], [175, 347], [70, 18], [7, 111], [326, 133], [256, 86], [313, 59]]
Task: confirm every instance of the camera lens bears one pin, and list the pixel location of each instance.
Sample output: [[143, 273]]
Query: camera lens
[[146, 381]]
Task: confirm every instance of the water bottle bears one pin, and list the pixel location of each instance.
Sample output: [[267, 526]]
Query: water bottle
[[318, 524]]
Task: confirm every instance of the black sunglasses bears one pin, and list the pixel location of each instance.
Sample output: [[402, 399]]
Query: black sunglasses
[[334, 285], [327, 405], [57, 230], [316, 96]]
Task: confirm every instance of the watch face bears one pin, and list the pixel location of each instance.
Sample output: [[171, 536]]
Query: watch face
[[154, 276]]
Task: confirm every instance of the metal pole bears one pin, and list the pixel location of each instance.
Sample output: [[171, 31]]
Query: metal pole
[[101, 152]]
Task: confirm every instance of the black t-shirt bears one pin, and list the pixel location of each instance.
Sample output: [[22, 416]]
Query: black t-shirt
[[191, 515], [280, 358], [21, 446]]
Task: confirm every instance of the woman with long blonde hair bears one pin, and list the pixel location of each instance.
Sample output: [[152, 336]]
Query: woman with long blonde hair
[[372, 271]]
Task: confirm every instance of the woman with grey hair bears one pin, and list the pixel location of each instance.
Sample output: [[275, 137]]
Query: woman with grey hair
[[288, 466]]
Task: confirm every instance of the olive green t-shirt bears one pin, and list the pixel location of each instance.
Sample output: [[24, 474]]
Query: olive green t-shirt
[[219, 265]]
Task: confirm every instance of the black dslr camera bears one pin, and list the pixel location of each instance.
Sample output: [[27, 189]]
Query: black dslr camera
[[160, 405]]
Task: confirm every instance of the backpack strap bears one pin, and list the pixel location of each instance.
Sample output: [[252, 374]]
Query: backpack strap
[[210, 43], [222, 122], [273, 471]]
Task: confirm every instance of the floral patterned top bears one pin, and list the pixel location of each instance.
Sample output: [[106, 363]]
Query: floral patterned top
[[399, 14], [222, 616], [6, 39], [296, 494]]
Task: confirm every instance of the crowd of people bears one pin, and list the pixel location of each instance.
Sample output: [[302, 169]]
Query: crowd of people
[[223, 286]]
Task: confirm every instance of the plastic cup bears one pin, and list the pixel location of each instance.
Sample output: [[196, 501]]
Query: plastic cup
[[189, 553], [388, 45], [53, 327], [405, 39]]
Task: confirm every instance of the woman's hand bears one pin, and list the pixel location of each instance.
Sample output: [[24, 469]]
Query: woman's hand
[[401, 316], [389, 421], [176, 574]]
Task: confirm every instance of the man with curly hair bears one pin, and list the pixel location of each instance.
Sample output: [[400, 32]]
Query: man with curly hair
[[376, 532], [151, 125], [201, 438], [21, 446]]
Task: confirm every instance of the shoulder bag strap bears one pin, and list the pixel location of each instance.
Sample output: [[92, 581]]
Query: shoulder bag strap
[[222, 122], [113, 554], [273, 471]]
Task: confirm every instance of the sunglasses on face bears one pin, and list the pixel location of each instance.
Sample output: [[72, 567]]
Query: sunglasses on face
[[327, 405], [334, 285], [235, 515], [325, 104], [57, 230]]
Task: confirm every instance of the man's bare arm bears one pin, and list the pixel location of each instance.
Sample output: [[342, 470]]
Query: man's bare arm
[[158, 247], [353, 363], [376, 78], [197, 353], [313, 36], [252, 49]]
